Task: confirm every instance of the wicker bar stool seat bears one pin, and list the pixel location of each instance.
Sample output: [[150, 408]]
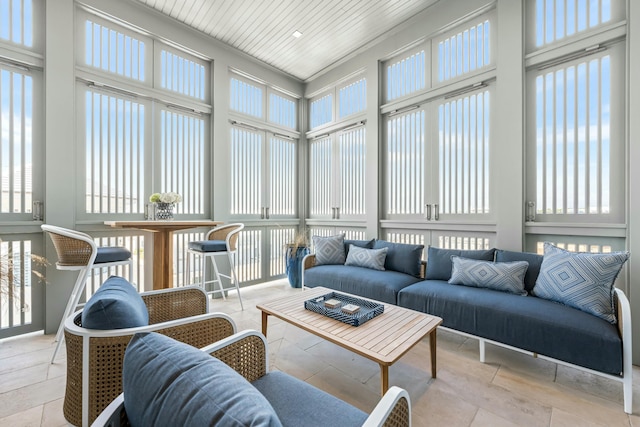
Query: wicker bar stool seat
[[220, 241], [77, 251]]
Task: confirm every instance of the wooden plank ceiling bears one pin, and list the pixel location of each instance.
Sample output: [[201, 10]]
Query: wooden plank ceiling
[[331, 29]]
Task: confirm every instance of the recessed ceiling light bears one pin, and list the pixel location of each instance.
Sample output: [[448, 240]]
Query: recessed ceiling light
[[296, 34]]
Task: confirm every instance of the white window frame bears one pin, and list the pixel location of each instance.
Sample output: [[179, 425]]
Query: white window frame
[[158, 47], [406, 53]]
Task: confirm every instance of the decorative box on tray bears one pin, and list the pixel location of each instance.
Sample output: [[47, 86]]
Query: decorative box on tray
[[350, 310]]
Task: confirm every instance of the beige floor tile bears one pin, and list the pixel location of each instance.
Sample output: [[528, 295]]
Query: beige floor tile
[[441, 405], [31, 417], [31, 396], [588, 383], [52, 414], [560, 418], [346, 388], [295, 361], [485, 418]]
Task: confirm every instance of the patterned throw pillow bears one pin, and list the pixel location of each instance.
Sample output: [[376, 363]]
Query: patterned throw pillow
[[367, 258], [499, 276], [580, 279], [329, 250]]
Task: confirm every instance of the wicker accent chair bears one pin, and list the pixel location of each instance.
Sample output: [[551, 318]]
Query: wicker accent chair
[[94, 357], [247, 353], [77, 251], [220, 241]]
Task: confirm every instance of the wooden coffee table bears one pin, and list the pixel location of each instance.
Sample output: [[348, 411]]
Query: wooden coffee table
[[383, 339]]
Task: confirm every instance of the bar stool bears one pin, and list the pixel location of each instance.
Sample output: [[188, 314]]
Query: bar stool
[[77, 251], [220, 241]]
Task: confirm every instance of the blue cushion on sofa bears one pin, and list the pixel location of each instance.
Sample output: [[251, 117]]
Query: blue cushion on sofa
[[534, 260], [313, 407], [367, 244], [167, 382], [115, 305], [401, 257], [439, 261], [379, 285], [525, 322]]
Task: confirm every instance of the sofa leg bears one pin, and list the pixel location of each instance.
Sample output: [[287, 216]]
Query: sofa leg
[[482, 351], [628, 394]]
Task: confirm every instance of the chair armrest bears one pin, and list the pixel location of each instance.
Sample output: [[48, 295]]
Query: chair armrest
[[175, 303], [308, 261], [245, 352], [113, 415], [393, 410]]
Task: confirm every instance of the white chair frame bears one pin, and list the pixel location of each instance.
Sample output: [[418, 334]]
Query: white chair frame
[[83, 273]]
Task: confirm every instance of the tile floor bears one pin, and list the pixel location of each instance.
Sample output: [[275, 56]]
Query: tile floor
[[510, 389]]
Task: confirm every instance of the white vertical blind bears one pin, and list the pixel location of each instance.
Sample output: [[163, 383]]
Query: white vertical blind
[[279, 237], [463, 242], [114, 51], [246, 171], [464, 51], [249, 262], [182, 75], [321, 176], [573, 144], [463, 129], [321, 111], [16, 139], [246, 98], [182, 148], [352, 98], [135, 243], [405, 76], [406, 162], [409, 238], [115, 153], [17, 298], [352, 171], [16, 21], [558, 19], [282, 176], [282, 111]]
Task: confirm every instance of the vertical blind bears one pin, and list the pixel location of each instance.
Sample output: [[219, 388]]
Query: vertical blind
[[464, 51], [557, 19], [406, 76], [352, 171], [321, 176], [282, 176], [246, 171], [182, 75]]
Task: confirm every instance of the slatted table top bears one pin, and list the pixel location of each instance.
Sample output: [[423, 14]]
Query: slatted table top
[[383, 339]]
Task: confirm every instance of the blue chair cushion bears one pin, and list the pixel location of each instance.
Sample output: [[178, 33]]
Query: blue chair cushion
[[208, 246], [526, 322], [115, 305], [401, 257], [166, 382], [379, 285], [112, 254], [439, 263], [534, 260], [300, 404]]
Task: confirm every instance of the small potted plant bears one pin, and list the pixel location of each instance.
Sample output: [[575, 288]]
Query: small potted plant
[[165, 202], [294, 252]]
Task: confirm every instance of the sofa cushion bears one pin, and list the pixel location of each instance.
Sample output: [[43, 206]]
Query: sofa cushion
[[167, 382], [329, 250], [439, 261], [581, 280], [525, 322], [367, 244], [379, 285], [401, 257], [500, 276], [115, 305], [313, 407], [367, 258], [534, 260]]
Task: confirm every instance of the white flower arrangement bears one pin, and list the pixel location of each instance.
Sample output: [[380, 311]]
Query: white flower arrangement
[[170, 197]]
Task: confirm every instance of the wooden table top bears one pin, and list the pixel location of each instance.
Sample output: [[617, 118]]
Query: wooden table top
[[154, 225], [383, 339]]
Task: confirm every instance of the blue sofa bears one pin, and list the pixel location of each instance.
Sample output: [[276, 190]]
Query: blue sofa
[[530, 324]]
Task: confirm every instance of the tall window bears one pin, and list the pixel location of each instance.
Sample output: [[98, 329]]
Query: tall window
[[559, 19], [321, 111], [246, 98], [466, 50], [405, 75]]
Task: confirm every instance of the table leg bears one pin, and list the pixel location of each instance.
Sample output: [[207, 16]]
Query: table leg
[[432, 345], [265, 316], [162, 259], [384, 378]]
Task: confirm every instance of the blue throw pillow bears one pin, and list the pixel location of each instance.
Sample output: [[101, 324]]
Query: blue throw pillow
[[367, 258], [329, 250], [500, 276], [439, 261], [581, 280], [367, 244], [115, 305], [534, 260], [401, 257], [169, 383]]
